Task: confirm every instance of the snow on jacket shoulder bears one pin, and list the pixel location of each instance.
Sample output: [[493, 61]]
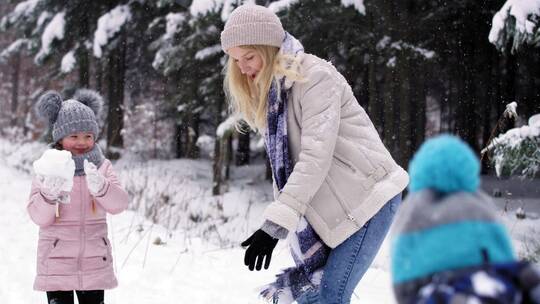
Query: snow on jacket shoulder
[[74, 252], [343, 174]]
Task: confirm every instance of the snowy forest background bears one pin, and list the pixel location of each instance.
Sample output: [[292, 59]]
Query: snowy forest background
[[418, 67], [197, 186]]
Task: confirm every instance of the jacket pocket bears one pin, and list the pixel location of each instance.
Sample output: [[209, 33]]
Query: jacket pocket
[[96, 255], [325, 204], [344, 164], [352, 155], [346, 208], [45, 246], [62, 258]]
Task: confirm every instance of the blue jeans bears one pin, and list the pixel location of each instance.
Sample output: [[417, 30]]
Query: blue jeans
[[349, 261]]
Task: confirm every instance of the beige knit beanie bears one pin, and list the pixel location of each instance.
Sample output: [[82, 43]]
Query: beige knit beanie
[[251, 24]]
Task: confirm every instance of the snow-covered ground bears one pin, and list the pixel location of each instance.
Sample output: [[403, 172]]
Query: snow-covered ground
[[186, 249], [182, 266]]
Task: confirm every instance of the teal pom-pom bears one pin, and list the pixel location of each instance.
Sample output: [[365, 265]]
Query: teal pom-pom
[[445, 164]]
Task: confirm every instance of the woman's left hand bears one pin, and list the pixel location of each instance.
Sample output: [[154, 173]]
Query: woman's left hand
[[261, 245]]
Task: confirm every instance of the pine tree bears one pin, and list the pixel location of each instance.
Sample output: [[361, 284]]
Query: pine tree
[[57, 33], [516, 152], [516, 24], [375, 51], [190, 57]]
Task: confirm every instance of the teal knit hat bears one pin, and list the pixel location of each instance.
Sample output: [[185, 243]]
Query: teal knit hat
[[445, 223]]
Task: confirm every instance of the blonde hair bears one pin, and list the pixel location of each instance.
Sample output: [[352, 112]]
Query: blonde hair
[[249, 98]]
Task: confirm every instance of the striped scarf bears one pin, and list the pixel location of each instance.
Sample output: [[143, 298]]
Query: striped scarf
[[308, 251]]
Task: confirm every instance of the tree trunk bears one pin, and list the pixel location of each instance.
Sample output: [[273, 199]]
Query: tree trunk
[[187, 134], [222, 159], [84, 68], [242, 150], [115, 81], [228, 155], [83, 29], [15, 77], [405, 132], [389, 110], [374, 108], [178, 140], [192, 136], [99, 75], [374, 102], [418, 106], [467, 120], [217, 178], [509, 82]]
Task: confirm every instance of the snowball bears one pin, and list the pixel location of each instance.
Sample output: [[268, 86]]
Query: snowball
[[56, 163]]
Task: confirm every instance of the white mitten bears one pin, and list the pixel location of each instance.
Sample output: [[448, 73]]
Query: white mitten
[[54, 171], [55, 188], [95, 180]]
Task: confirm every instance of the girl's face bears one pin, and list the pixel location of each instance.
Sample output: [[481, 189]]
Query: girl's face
[[249, 61], [78, 143]]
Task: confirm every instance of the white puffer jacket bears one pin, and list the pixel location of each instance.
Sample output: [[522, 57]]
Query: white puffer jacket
[[343, 174]]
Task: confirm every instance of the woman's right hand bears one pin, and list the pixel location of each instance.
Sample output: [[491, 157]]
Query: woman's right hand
[[260, 246]]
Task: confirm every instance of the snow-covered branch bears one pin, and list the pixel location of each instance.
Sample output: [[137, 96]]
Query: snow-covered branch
[[108, 25], [517, 21], [53, 31]]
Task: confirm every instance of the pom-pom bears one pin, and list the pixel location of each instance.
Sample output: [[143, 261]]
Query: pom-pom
[[445, 164], [90, 98], [49, 105]]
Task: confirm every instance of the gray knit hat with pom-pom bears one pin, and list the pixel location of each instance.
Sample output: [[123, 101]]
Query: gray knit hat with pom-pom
[[73, 115]]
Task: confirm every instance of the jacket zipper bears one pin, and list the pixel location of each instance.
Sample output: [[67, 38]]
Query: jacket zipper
[[348, 213], [82, 237]]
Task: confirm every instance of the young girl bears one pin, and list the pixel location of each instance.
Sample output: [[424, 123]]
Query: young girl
[[74, 252], [336, 185]]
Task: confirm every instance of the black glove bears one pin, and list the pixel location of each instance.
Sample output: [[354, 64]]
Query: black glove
[[261, 245]]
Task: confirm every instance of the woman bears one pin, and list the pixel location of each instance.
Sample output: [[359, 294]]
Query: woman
[[336, 186]]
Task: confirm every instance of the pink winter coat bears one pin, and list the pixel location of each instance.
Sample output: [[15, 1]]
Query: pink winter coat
[[74, 252]]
